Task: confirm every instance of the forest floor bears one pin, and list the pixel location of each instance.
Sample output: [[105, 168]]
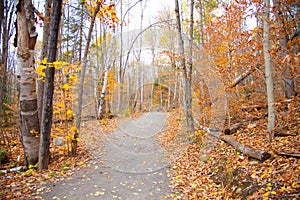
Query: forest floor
[[224, 174]]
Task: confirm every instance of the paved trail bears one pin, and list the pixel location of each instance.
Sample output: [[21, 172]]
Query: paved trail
[[132, 166]]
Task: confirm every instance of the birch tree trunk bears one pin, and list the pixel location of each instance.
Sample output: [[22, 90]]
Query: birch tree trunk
[[47, 112], [103, 92], [29, 119], [268, 68], [107, 61]]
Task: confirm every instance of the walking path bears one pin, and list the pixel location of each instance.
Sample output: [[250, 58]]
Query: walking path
[[131, 167]]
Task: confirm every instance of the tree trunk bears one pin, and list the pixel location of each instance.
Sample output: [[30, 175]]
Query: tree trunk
[[44, 53], [141, 88], [268, 68], [6, 14], [47, 112], [29, 120], [120, 71], [187, 73], [2, 72], [81, 30], [81, 81], [201, 9], [1, 12], [107, 62], [103, 92]]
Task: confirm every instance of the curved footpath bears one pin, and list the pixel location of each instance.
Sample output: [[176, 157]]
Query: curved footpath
[[132, 166]]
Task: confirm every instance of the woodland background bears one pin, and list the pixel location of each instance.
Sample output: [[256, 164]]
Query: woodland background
[[201, 61]]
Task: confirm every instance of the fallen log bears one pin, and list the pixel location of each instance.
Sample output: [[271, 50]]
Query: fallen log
[[241, 77], [278, 134], [253, 153], [252, 107], [237, 126], [288, 154], [248, 151]]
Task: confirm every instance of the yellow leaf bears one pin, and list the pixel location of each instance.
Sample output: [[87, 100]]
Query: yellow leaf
[[73, 129], [283, 188], [273, 192], [55, 112], [66, 86], [266, 194], [294, 184], [73, 78], [77, 67], [253, 175], [40, 70], [99, 193], [60, 105], [69, 112], [59, 64], [44, 61]]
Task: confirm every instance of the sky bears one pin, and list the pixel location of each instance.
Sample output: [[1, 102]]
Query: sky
[[152, 7], [150, 13]]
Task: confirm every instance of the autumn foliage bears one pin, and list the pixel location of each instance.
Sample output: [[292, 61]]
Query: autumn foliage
[[201, 166]]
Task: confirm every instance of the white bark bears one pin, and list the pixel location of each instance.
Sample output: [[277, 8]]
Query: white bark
[[103, 92], [25, 63], [268, 68], [29, 121]]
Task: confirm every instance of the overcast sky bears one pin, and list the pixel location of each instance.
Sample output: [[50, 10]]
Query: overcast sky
[[150, 13]]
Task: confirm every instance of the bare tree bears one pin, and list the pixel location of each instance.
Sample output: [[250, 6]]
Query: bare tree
[[268, 67], [82, 77], [187, 73]]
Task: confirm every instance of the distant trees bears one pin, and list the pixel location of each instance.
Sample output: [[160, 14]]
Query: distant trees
[[82, 76], [6, 61]]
